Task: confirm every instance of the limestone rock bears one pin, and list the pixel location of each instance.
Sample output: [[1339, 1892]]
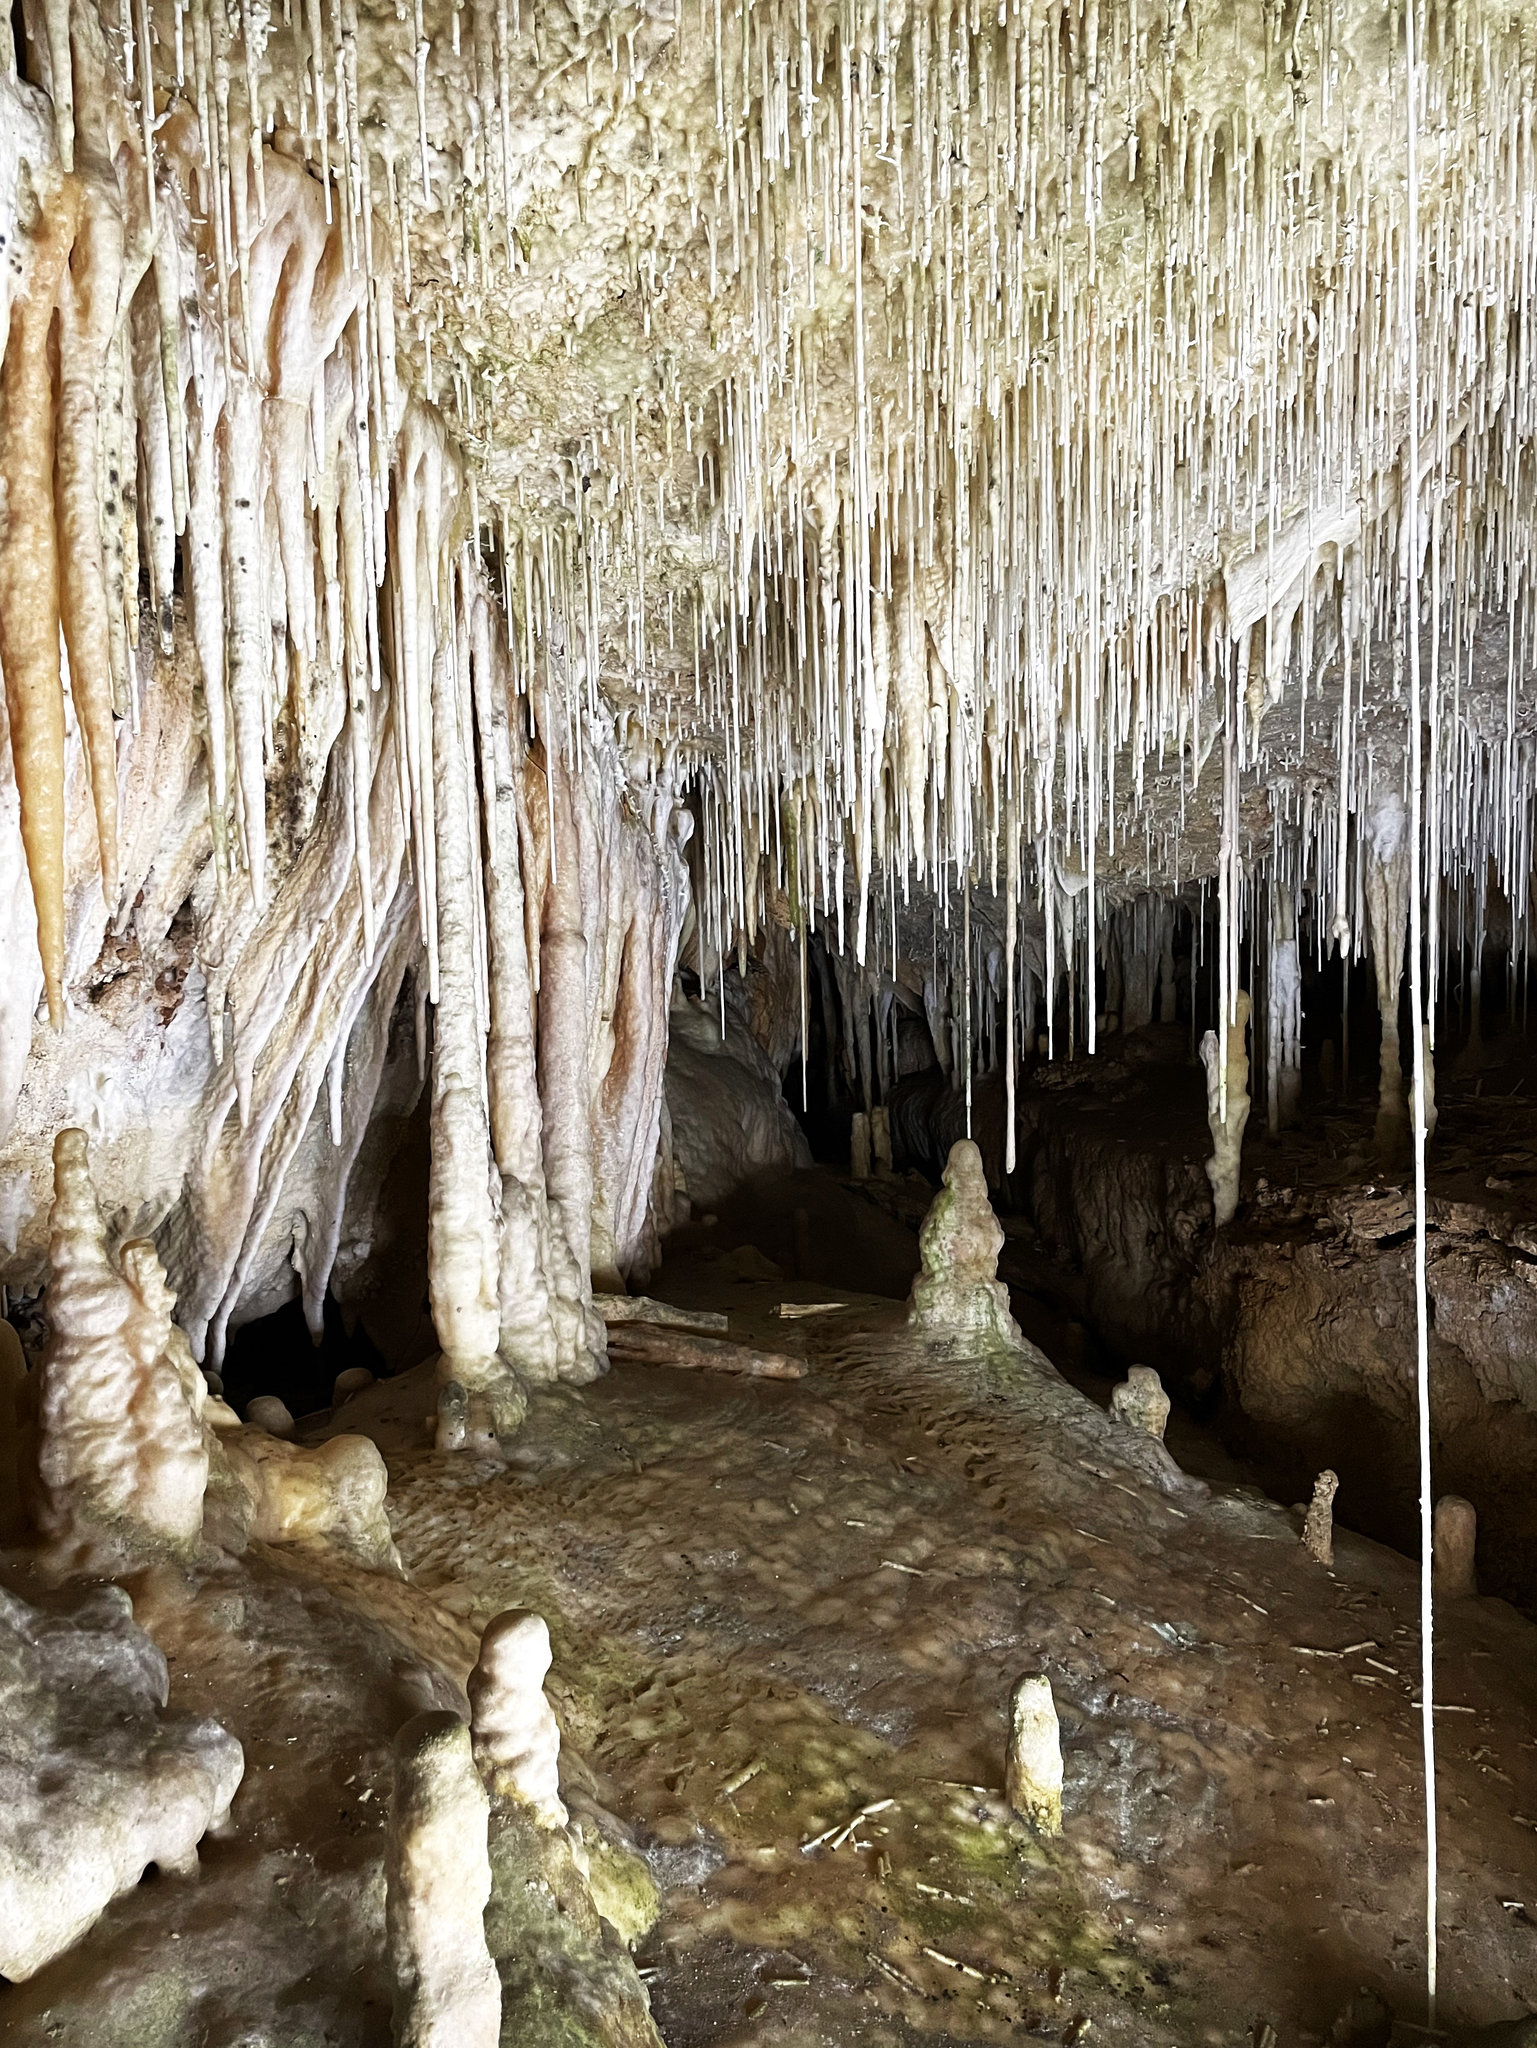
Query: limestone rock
[[729, 1118], [96, 1779], [1033, 1765], [516, 1736], [437, 1883], [958, 1289], [1140, 1402]]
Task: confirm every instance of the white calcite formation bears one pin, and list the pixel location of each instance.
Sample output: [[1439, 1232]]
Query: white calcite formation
[[119, 1457], [437, 1884], [96, 1780], [512, 435], [1318, 1523], [332, 1492], [1140, 1402], [958, 1292], [268, 1413], [516, 1736], [1454, 1536], [1227, 1107], [1033, 1760]]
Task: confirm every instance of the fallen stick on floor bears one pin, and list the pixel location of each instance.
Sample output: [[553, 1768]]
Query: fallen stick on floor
[[792, 1311], [641, 1308], [649, 1344]]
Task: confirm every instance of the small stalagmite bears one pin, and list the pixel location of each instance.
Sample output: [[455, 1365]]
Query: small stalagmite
[[1140, 1402], [1318, 1528], [516, 1735], [1454, 1539], [1227, 1109], [958, 1290], [268, 1413], [1033, 1765], [437, 1883]]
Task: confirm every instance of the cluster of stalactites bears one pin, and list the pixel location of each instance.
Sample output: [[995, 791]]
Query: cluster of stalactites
[[225, 386], [1095, 452]]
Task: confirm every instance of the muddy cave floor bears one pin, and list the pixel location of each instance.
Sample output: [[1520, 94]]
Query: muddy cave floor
[[779, 1606]]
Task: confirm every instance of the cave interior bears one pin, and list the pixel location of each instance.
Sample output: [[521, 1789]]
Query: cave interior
[[768, 1129]]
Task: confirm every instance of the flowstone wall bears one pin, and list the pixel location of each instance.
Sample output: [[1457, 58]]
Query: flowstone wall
[[285, 758]]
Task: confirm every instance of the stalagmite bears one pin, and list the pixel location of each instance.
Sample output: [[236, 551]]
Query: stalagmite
[[1318, 1526], [958, 1292], [268, 1413], [1456, 1538], [437, 1883], [1140, 1402], [1227, 1109], [120, 1455], [1033, 1763], [515, 1735], [29, 575]]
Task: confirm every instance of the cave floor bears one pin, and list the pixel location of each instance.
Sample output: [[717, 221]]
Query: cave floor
[[787, 1617], [785, 1612]]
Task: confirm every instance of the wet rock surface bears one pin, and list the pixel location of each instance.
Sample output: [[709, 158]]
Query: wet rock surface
[[788, 1621]]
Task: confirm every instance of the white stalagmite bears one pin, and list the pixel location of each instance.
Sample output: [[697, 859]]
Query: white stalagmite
[[437, 1882], [1033, 1761], [515, 1734]]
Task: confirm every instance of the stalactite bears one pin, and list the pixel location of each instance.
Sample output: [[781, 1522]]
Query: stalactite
[[87, 308], [29, 578]]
